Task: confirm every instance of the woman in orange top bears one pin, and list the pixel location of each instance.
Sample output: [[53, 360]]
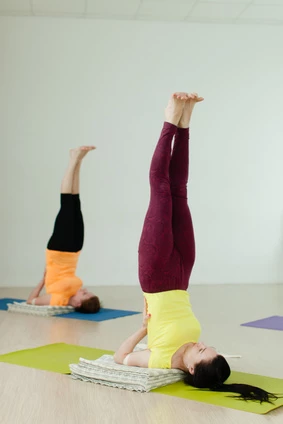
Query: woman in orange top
[[62, 286]]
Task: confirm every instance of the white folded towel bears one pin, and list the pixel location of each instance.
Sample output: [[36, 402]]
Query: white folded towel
[[106, 372], [24, 308]]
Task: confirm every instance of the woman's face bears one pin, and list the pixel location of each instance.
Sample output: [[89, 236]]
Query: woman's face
[[82, 295], [198, 352]]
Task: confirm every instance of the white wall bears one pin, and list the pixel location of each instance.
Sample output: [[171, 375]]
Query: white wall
[[69, 82]]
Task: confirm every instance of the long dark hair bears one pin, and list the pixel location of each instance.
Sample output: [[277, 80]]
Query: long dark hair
[[211, 375]]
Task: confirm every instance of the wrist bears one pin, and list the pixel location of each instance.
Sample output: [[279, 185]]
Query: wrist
[[143, 331]]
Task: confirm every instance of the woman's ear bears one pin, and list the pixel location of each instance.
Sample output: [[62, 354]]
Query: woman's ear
[[191, 370]]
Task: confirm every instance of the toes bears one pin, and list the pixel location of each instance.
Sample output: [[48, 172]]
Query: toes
[[195, 97], [87, 148], [181, 95]]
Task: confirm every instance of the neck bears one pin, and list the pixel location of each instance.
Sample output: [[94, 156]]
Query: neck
[[178, 357], [71, 302]]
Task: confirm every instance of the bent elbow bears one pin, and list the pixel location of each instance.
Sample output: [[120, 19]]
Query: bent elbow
[[117, 358]]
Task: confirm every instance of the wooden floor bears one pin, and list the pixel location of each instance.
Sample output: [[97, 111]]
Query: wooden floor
[[29, 396]]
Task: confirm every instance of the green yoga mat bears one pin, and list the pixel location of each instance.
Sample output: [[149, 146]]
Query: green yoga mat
[[272, 385], [57, 357], [53, 357]]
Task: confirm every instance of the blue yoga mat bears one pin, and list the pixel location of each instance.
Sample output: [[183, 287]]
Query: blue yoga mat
[[103, 315]]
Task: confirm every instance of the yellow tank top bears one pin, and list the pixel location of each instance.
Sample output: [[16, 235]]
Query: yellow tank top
[[60, 280], [171, 325]]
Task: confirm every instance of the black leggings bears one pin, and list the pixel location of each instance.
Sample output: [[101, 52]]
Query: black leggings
[[68, 233]]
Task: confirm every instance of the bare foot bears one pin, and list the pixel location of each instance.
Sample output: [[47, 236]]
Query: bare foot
[[174, 110], [192, 99], [79, 153]]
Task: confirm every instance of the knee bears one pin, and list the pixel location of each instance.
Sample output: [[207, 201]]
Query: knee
[[161, 184], [179, 191]]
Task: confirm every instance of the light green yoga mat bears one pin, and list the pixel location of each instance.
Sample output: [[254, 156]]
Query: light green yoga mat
[[57, 357], [272, 385], [54, 357]]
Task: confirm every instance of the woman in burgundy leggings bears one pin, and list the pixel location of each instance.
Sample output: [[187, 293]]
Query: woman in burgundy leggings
[[166, 259]]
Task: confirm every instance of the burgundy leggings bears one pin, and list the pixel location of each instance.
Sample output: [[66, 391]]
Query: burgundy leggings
[[167, 245]]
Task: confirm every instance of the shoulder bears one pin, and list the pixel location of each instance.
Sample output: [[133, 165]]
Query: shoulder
[[160, 358], [59, 299]]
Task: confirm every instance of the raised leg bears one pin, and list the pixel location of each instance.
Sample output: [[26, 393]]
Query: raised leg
[[182, 225], [78, 155], [63, 236], [156, 243], [68, 229], [183, 232], [79, 223]]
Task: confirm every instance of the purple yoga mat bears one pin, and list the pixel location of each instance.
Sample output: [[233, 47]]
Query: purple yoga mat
[[271, 323]]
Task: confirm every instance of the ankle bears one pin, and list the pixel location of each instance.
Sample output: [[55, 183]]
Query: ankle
[[174, 120]]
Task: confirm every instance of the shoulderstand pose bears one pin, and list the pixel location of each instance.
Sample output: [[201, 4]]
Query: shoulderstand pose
[[166, 259], [62, 285]]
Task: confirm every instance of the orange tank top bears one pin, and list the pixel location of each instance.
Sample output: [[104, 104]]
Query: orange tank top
[[60, 279]]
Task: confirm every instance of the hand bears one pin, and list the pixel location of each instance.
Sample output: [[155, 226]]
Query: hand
[[145, 320], [146, 315]]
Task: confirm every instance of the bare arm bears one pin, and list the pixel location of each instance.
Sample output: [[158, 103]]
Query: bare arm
[[128, 346], [125, 354], [35, 294]]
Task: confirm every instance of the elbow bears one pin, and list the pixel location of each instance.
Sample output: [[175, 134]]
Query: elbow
[[118, 358]]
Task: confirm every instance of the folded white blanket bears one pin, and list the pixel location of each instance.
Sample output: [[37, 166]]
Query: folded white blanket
[[24, 308], [106, 372]]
